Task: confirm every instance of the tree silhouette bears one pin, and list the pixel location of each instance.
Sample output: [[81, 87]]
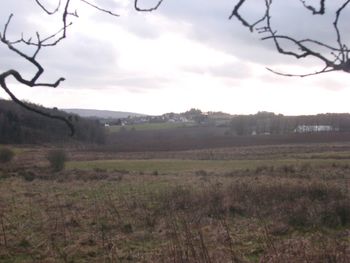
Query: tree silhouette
[[18, 46], [334, 58], [21, 46]]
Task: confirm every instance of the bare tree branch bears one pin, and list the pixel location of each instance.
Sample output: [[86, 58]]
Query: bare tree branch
[[39, 43], [344, 50], [319, 11], [340, 53], [301, 75], [62, 9], [147, 9], [46, 10], [99, 8], [30, 108], [251, 26]]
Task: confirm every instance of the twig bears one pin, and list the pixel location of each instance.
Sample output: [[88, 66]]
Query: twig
[[264, 26], [100, 8], [155, 7]]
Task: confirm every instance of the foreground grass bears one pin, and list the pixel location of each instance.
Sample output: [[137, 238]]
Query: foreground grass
[[144, 218], [273, 210]]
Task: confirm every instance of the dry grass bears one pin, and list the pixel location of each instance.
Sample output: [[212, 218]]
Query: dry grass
[[272, 213]]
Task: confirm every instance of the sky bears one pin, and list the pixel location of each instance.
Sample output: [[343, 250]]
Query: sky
[[187, 54]]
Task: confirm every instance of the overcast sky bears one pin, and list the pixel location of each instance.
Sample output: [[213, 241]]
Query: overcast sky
[[187, 54]]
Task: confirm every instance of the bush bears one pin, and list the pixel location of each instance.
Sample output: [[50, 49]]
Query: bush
[[28, 175], [6, 155], [57, 159]]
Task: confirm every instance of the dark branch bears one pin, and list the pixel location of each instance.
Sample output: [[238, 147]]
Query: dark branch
[[99, 8], [38, 44], [340, 53], [251, 26], [320, 11], [30, 108], [46, 10], [137, 8], [325, 70]]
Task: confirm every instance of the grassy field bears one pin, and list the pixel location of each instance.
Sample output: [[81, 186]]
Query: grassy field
[[248, 204], [148, 126], [175, 166]]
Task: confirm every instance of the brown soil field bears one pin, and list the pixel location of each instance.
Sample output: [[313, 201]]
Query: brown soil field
[[189, 138]]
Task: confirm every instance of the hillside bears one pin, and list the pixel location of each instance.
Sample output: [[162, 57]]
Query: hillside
[[102, 114], [18, 125]]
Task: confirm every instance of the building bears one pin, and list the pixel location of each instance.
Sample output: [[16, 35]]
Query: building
[[314, 128]]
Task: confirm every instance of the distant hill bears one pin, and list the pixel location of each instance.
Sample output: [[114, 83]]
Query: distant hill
[[102, 114]]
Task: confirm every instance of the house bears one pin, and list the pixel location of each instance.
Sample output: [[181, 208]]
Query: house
[[314, 128]]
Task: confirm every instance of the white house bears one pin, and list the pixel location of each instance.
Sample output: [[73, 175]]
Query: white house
[[314, 128]]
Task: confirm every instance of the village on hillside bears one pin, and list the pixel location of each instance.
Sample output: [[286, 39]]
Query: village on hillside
[[261, 123]]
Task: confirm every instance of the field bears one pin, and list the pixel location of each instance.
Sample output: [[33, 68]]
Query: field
[[269, 203], [148, 126]]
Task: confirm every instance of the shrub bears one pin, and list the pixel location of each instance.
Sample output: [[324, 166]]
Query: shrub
[[127, 229], [57, 159], [6, 155], [288, 168], [299, 217], [27, 175], [343, 212], [201, 173]]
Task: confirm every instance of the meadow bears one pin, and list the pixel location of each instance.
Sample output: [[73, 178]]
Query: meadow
[[277, 203], [148, 126]]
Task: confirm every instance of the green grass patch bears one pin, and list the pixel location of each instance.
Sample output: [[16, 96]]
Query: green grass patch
[[181, 166], [16, 150], [343, 155]]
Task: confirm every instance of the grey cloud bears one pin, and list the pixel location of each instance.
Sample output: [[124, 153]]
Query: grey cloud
[[211, 25], [90, 62], [139, 83], [140, 26], [134, 22], [233, 70], [23, 12], [84, 61], [331, 84]]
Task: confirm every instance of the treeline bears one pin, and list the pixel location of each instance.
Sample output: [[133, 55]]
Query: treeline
[[18, 125], [270, 123]]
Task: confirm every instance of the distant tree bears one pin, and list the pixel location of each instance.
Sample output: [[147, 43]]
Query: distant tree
[[242, 125], [196, 115], [6, 155], [57, 159], [17, 125]]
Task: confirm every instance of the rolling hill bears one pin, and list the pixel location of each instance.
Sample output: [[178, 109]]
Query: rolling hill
[[102, 114]]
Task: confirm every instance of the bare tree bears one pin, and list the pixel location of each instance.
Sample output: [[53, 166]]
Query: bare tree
[[334, 58], [21, 45]]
